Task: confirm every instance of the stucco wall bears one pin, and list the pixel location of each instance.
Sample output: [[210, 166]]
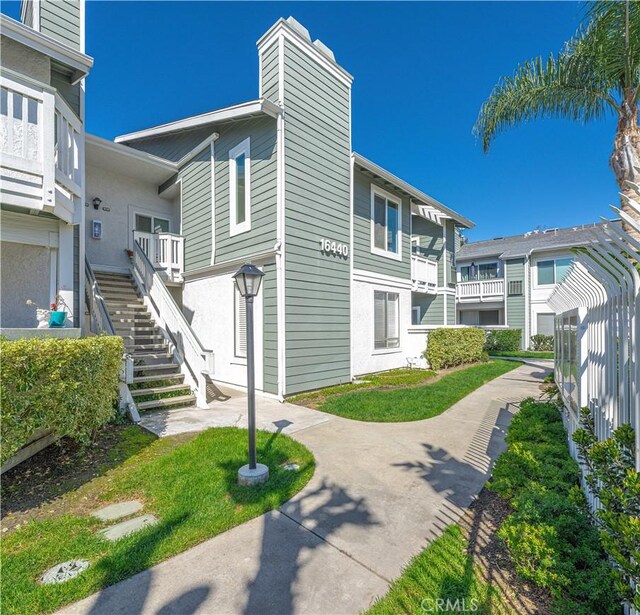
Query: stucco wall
[[122, 196], [208, 304], [24, 272], [21, 59], [365, 358]]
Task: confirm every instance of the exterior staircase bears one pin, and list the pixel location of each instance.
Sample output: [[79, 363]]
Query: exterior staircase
[[157, 381]]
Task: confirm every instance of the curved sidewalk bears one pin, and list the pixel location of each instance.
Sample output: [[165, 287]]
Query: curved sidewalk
[[380, 494]]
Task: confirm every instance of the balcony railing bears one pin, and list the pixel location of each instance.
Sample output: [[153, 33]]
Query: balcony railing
[[424, 274], [480, 290], [41, 149], [165, 251]]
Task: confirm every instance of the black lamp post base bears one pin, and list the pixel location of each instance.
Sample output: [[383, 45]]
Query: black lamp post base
[[249, 477]]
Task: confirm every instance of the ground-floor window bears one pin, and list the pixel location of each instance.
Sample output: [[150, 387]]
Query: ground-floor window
[[240, 321], [416, 315], [545, 324], [386, 316], [489, 317]]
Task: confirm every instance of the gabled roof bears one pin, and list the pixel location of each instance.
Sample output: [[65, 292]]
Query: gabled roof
[[422, 204], [78, 62], [518, 246], [262, 106]]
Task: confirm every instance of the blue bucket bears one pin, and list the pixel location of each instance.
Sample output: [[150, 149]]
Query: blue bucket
[[57, 318]]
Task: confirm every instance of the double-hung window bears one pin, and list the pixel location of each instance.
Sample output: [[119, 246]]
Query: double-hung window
[[240, 187], [240, 325], [386, 315], [386, 214]]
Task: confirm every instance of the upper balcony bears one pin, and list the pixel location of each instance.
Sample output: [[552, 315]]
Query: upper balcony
[[165, 251], [480, 290], [42, 149], [424, 274]]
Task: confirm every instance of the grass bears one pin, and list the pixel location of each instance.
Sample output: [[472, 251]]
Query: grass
[[396, 378], [188, 482], [416, 403], [444, 571], [525, 354]]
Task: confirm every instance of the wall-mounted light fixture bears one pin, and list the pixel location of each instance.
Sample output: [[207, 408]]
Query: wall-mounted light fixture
[[97, 201]]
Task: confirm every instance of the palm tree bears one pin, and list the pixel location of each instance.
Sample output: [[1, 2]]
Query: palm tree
[[597, 74]]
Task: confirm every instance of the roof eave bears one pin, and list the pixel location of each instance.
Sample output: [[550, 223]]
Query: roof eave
[[80, 63], [411, 190], [253, 107], [134, 154]]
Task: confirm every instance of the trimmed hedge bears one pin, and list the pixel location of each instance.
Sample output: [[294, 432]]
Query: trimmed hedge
[[549, 534], [68, 386], [503, 340], [542, 342], [451, 347]]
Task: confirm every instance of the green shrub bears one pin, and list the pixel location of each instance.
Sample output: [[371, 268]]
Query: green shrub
[[549, 535], [543, 343], [503, 340], [451, 347], [68, 386]]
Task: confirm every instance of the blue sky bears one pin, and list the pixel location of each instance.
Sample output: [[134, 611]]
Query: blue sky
[[421, 73]]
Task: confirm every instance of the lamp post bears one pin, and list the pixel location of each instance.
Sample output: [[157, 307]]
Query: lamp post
[[248, 279]]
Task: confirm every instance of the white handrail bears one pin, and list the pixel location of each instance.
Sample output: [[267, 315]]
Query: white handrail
[[164, 250], [196, 362]]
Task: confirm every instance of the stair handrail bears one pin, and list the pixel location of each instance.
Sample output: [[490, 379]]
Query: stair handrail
[[99, 314], [170, 318]]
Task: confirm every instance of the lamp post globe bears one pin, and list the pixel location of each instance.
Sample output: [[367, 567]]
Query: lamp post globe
[[248, 279]]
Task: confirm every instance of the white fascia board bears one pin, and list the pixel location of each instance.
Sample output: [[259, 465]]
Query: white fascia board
[[132, 153], [281, 27], [416, 194], [253, 107], [79, 62]]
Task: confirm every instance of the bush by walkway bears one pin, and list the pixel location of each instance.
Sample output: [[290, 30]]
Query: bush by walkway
[[187, 482]]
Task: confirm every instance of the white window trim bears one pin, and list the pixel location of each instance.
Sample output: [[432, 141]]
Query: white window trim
[[242, 148], [398, 201]]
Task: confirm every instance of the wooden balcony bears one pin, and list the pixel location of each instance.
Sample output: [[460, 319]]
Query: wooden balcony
[[41, 149], [424, 274], [480, 290], [165, 251]]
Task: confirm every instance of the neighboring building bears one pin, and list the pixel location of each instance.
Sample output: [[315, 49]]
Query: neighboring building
[[507, 281], [358, 264]]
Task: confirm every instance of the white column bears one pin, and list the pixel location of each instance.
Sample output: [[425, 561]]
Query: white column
[[65, 271]]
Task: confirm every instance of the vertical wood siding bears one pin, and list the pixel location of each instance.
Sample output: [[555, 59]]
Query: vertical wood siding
[[60, 19], [263, 186], [317, 165], [362, 256], [196, 211]]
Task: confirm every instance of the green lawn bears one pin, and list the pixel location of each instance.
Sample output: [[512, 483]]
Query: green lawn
[[444, 571], [189, 483], [525, 354], [419, 402]]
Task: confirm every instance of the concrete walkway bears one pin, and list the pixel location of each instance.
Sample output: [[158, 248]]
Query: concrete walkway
[[380, 494]]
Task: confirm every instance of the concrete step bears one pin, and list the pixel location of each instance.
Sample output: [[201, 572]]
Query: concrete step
[[136, 311], [114, 297], [182, 400], [132, 340], [170, 388], [120, 305], [156, 367], [149, 347], [156, 378], [117, 284], [150, 356], [133, 328]]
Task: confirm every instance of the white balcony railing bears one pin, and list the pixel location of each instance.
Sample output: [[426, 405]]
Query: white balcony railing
[[41, 149], [480, 290], [424, 274], [165, 251]]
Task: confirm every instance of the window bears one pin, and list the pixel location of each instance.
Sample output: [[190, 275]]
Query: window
[[385, 221], [416, 317], [488, 271], [151, 224], [514, 288], [489, 317], [386, 315], [552, 272], [240, 325], [240, 187], [465, 273], [545, 324]]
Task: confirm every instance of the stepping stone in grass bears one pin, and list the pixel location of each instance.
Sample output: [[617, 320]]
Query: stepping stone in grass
[[117, 511], [125, 528]]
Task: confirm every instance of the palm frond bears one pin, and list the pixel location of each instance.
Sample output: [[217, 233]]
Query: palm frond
[[541, 88]]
